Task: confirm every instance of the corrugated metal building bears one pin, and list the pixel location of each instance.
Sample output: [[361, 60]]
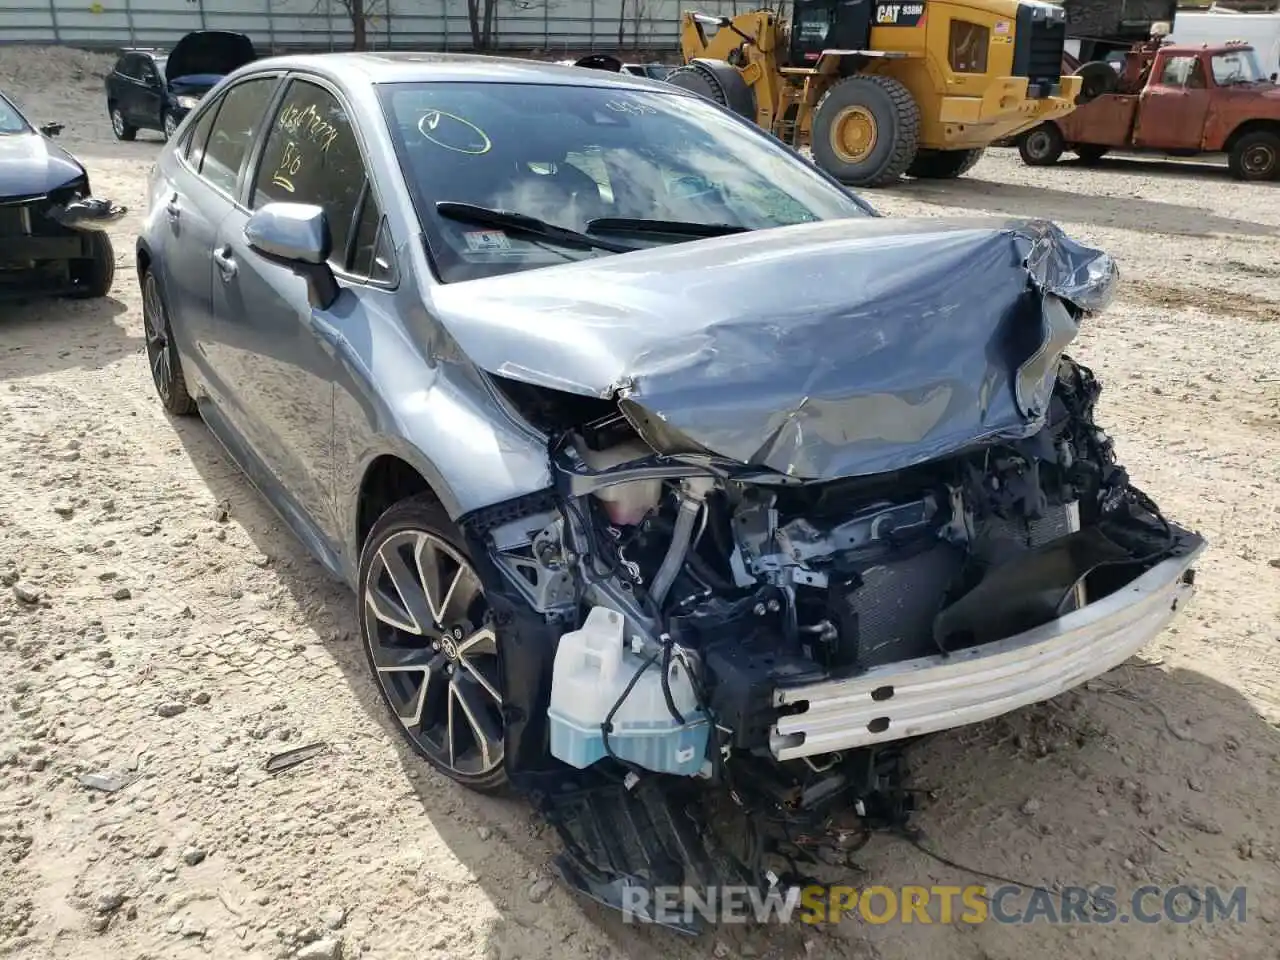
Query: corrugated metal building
[[550, 25]]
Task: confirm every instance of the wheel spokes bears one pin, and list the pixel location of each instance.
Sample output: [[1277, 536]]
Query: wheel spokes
[[479, 723], [410, 591]]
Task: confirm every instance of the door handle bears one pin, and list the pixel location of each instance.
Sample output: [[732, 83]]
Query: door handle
[[225, 261]]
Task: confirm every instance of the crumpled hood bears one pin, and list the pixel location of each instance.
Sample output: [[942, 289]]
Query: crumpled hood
[[839, 348], [215, 52], [31, 166]]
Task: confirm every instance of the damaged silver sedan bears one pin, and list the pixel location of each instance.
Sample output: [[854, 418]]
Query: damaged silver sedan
[[675, 484]]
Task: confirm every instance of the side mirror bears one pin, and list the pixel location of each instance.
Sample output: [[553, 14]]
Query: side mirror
[[296, 235], [52, 129]]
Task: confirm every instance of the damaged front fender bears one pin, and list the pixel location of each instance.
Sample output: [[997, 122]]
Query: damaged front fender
[[86, 213]]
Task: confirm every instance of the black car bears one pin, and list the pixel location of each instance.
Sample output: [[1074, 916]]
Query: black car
[[51, 230], [154, 89]]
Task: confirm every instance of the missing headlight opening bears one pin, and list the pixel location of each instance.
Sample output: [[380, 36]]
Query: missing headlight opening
[[784, 640]]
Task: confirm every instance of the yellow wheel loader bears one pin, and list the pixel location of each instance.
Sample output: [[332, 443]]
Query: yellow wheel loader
[[878, 89]]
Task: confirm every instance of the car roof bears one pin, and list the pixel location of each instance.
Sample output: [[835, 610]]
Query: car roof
[[408, 67]]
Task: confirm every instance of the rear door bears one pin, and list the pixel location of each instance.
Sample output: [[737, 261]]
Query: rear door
[[198, 194], [280, 352], [1173, 108]]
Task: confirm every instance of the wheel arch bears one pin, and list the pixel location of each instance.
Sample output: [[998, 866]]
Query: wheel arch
[[388, 476], [1266, 125]]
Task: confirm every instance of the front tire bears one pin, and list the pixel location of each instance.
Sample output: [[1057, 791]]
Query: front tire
[[944, 164], [430, 642], [1256, 157], [162, 354], [94, 274], [866, 130], [1042, 146]]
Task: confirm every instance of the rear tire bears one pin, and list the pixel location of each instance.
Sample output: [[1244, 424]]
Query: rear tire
[[93, 275], [162, 355], [1091, 153], [866, 130], [168, 126], [1042, 146], [119, 126], [1256, 157], [944, 164]]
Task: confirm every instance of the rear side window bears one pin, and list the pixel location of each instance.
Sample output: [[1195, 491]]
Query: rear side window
[[232, 131], [199, 136], [311, 156], [1182, 72]]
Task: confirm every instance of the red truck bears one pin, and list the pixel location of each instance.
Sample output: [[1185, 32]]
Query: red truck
[[1176, 100]]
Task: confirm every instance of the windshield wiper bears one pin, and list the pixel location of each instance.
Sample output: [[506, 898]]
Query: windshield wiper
[[678, 228], [525, 224]]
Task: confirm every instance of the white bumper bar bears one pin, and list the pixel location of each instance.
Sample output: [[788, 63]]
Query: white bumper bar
[[899, 700]]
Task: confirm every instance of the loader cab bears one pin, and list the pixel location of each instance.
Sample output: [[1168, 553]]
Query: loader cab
[[818, 25]]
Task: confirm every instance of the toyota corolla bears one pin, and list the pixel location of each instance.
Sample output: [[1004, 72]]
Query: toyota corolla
[[661, 466]]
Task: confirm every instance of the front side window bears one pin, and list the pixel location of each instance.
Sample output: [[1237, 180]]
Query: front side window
[[311, 156], [576, 156], [1182, 72], [231, 135], [967, 47], [1238, 66], [127, 66]]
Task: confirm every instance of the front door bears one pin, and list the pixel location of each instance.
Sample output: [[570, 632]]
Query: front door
[[280, 355], [1173, 107]]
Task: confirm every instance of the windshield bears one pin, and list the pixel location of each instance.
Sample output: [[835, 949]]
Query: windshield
[[572, 155], [10, 119], [1238, 66]]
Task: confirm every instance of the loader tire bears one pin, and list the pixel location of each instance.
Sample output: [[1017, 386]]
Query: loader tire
[[866, 130], [944, 164], [719, 82], [1096, 79]]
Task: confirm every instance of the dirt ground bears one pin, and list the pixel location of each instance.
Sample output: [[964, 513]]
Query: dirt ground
[[180, 636]]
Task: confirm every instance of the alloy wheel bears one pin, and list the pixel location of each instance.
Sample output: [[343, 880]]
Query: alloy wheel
[[434, 651], [156, 329], [117, 121], [170, 126]]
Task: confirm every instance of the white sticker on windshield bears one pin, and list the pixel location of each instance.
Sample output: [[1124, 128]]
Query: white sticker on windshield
[[486, 241]]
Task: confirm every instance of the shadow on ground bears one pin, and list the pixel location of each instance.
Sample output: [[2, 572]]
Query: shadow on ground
[[1123, 212], [1135, 779], [42, 336]]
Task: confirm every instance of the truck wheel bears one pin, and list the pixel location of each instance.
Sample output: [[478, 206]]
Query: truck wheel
[[1042, 146], [1091, 153], [122, 129], [1256, 156], [943, 164], [93, 274], [866, 129]]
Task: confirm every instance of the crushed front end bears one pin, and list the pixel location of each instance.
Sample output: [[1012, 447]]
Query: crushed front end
[[45, 237], [736, 607]]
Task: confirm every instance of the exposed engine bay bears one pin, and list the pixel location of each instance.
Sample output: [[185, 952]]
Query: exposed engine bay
[[687, 595]]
